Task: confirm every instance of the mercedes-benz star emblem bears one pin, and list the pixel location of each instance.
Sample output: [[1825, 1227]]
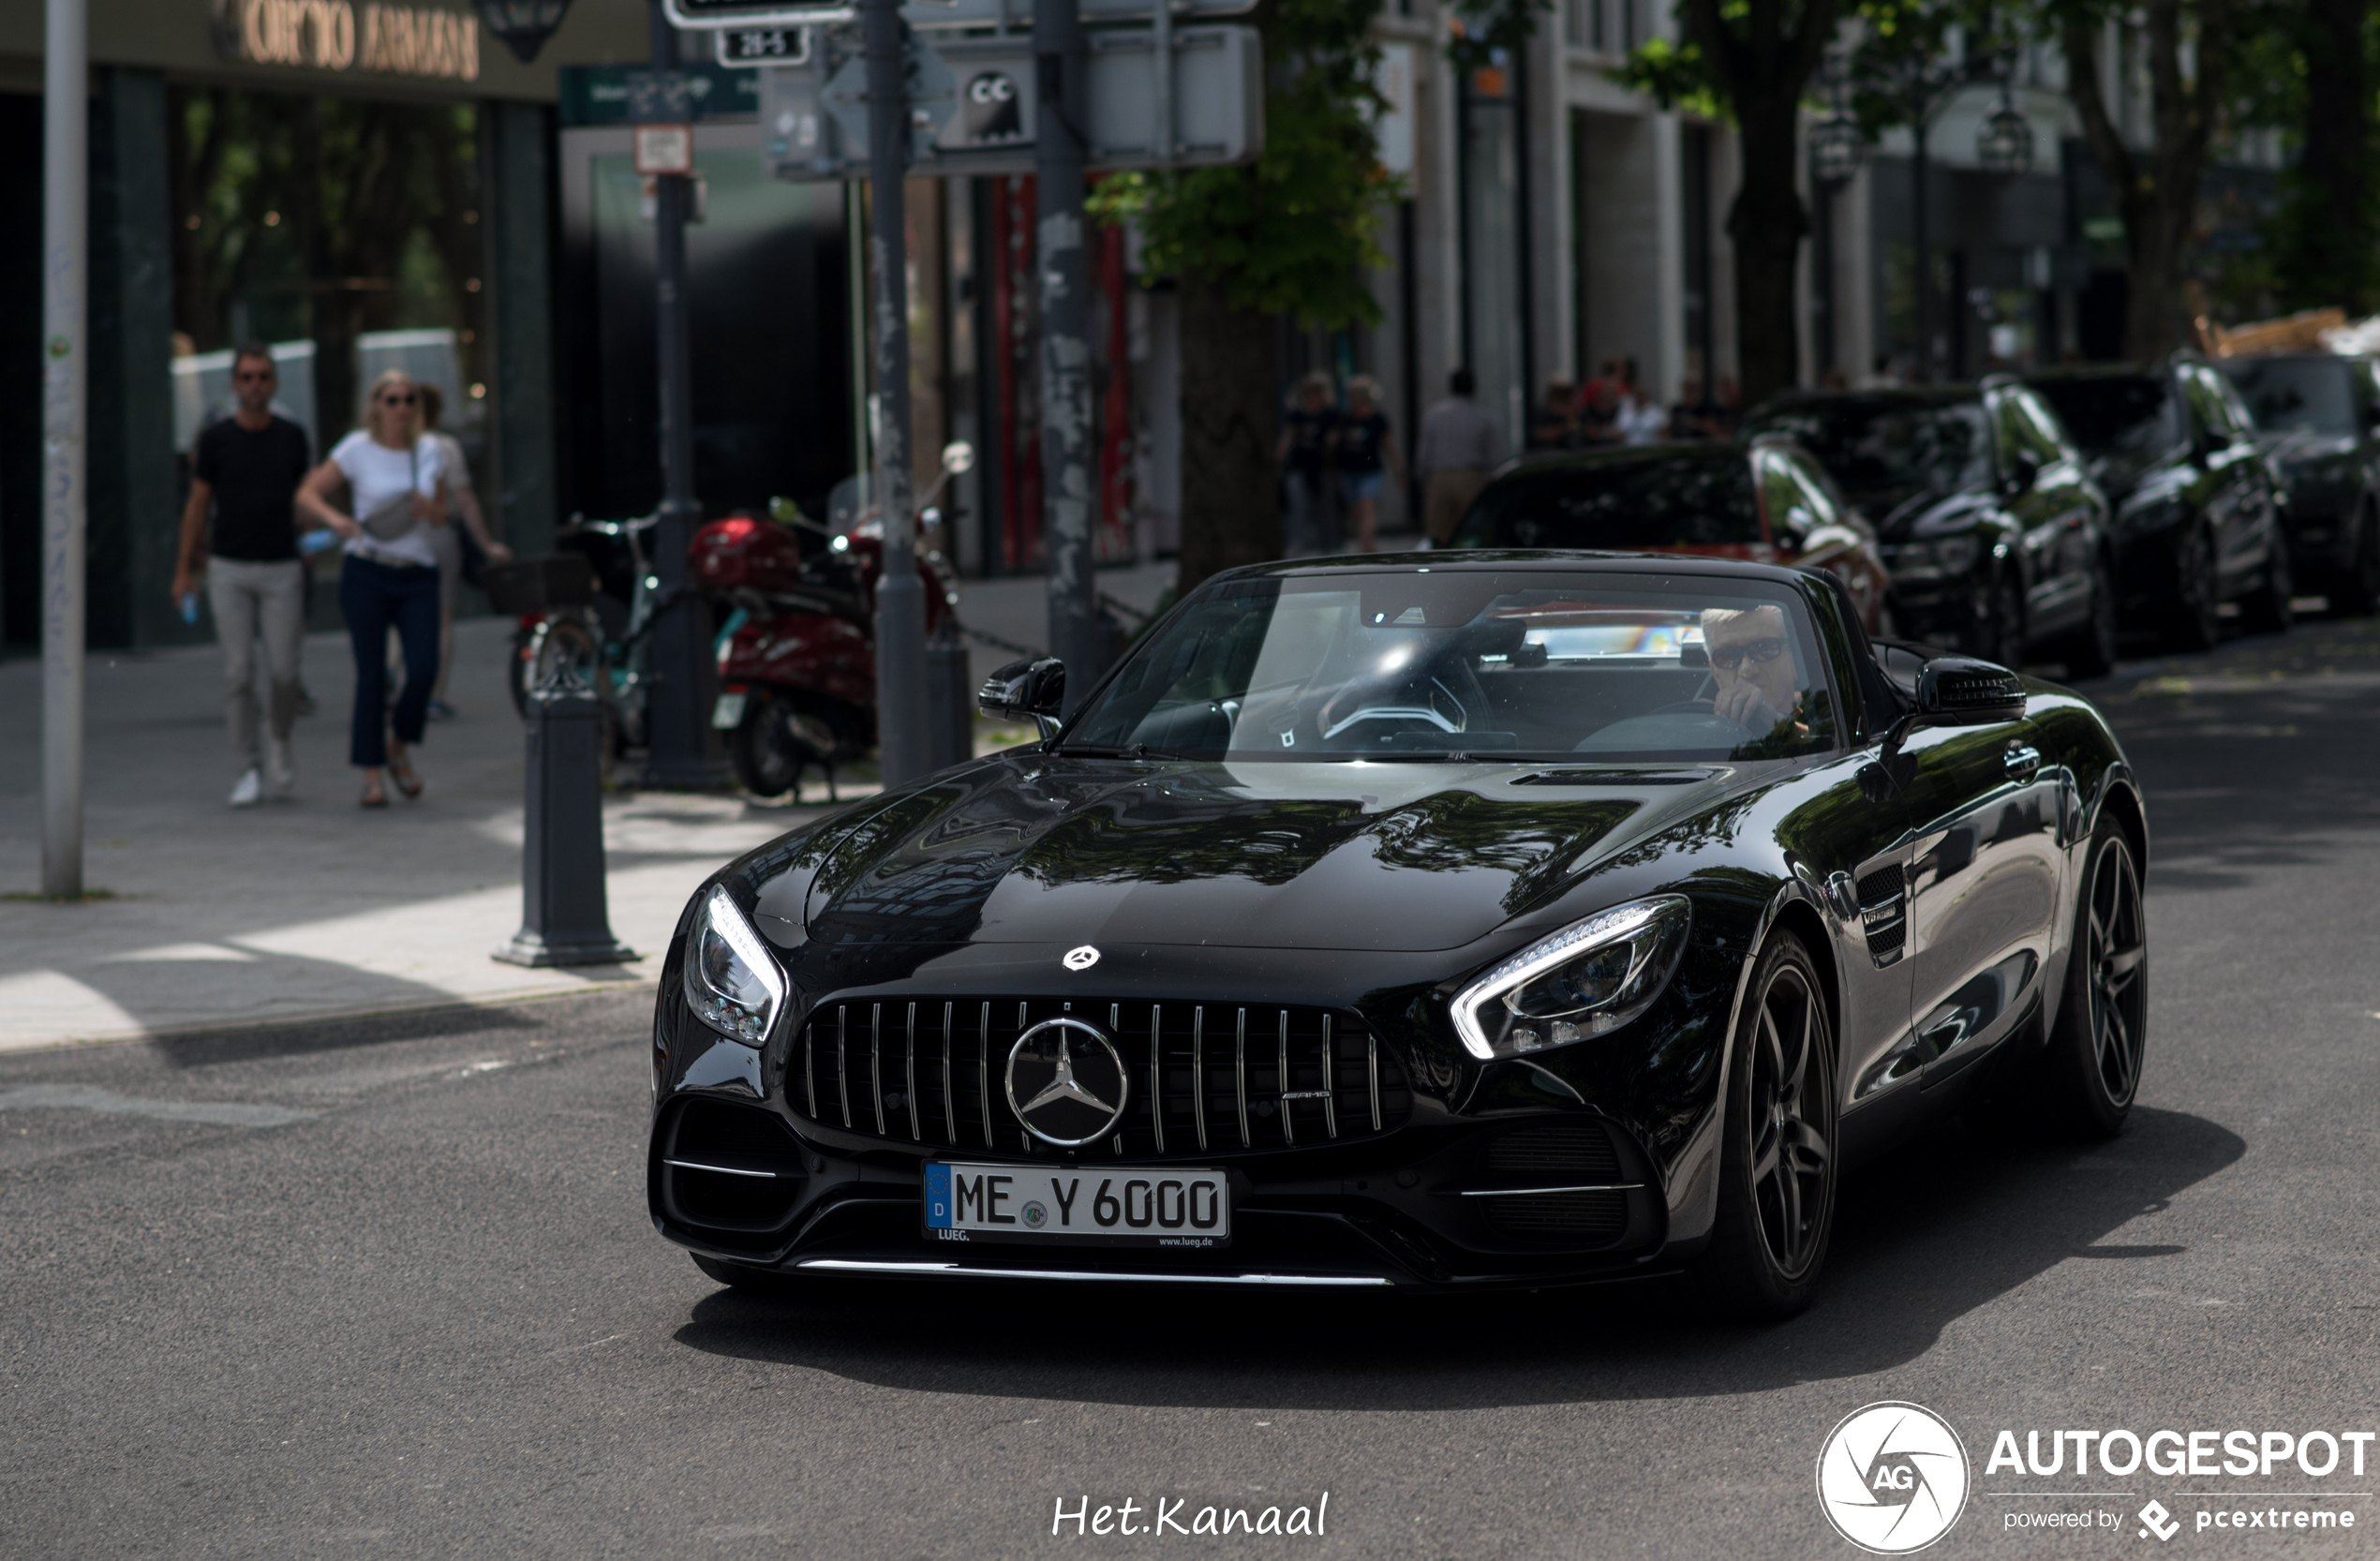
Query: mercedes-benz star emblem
[[1066, 1083], [1081, 959]]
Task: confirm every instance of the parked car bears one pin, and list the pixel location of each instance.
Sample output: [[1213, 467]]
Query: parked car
[[1994, 534], [1442, 921], [2318, 415], [2198, 507], [1767, 501]]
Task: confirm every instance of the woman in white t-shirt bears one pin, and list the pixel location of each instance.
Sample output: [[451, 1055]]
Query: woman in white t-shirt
[[394, 485]]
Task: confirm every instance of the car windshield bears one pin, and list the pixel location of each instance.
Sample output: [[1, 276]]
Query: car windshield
[[2127, 414], [1663, 501], [1890, 443], [2297, 395], [1407, 664]]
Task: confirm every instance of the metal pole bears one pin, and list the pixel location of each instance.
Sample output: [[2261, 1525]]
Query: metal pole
[[901, 729], [683, 751], [64, 250], [1063, 110], [1924, 279]]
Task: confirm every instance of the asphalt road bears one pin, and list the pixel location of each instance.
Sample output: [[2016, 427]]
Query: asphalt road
[[387, 1288]]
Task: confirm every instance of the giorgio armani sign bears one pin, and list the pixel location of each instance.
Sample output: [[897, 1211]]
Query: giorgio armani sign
[[339, 35]]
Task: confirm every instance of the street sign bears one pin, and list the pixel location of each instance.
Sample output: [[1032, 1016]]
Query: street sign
[[663, 149], [813, 125], [932, 15], [747, 47]]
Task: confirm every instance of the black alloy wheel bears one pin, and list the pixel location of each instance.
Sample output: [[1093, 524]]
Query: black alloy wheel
[[2091, 651], [2102, 1039], [2197, 621], [2358, 592], [1779, 1165], [2266, 610]]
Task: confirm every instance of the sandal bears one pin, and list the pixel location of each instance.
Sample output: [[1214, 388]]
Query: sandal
[[406, 781], [375, 795]]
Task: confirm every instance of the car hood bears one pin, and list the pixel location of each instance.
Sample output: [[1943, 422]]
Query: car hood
[[2121, 473], [1040, 848], [1922, 512]]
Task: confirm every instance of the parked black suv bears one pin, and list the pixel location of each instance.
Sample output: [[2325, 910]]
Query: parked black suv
[[1992, 526], [2198, 507], [2318, 414]]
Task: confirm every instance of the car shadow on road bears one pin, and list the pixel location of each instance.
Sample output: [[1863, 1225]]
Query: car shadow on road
[[1923, 1237]]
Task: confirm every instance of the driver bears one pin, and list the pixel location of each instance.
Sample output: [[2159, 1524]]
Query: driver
[[1760, 682]]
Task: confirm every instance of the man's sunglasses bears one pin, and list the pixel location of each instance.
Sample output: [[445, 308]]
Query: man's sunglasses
[[254, 376], [1727, 658]]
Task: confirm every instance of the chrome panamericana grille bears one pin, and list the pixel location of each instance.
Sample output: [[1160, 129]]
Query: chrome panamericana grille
[[1206, 1079]]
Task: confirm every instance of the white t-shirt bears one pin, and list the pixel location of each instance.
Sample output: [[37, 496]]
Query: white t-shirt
[[375, 474]]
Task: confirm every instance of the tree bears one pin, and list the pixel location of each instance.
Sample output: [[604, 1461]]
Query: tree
[[2315, 56], [1290, 233], [1752, 61], [2156, 188]]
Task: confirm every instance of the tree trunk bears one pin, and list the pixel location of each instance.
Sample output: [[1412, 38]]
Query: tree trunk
[[2330, 238], [1767, 223], [1230, 500]]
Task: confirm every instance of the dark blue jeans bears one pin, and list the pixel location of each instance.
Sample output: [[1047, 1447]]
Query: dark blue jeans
[[372, 597]]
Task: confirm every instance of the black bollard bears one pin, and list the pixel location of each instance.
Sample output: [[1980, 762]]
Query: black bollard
[[950, 705], [565, 919]]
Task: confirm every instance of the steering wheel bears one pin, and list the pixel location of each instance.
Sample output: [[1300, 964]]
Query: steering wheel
[[1705, 701]]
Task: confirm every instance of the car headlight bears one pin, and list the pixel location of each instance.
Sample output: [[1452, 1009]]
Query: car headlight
[[1586, 980], [1935, 556], [732, 981]]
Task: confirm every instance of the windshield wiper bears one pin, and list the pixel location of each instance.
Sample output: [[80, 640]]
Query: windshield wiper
[[1120, 751]]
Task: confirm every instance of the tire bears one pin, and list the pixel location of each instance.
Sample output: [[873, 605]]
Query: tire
[[2357, 591], [780, 739], [2000, 637], [1778, 1164], [2266, 610], [2091, 651], [2197, 621], [2090, 1071]]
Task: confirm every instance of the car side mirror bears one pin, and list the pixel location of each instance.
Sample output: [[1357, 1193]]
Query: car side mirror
[[1960, 691], [1033, 690]]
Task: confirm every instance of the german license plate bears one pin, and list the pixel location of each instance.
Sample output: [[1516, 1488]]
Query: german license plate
[[728, 713], [1072, 1205]]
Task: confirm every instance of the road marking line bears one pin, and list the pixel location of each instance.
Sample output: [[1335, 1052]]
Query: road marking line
[[85, 1097]]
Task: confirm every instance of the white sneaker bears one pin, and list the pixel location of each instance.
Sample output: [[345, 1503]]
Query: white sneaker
[[250, 791], [281, 764]]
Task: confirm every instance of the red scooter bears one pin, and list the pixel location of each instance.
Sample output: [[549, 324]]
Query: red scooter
[[796, 648]]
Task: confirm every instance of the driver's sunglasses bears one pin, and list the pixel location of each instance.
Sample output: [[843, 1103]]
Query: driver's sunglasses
[[396, 401], [1727, 658], [253, 376]]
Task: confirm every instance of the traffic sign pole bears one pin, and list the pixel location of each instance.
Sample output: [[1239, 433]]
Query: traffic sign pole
[[64, 253], [900, 599], [1062, 58]]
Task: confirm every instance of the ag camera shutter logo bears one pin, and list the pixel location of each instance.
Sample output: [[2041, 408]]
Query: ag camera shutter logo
[[1892, 1477]]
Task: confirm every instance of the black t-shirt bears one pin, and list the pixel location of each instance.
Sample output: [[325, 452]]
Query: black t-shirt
[[1310, 437], [255, 475], [1360, 442]]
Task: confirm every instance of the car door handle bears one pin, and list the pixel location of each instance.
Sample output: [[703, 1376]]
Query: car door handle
[[2020, 761]]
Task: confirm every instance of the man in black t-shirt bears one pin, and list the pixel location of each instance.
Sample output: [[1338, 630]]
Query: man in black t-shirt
[[246, 469]]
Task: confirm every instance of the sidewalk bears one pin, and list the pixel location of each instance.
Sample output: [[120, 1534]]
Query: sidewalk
[[306, 909]]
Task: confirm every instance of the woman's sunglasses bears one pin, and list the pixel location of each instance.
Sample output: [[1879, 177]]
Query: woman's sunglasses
[[1727, 658], [396, 401]]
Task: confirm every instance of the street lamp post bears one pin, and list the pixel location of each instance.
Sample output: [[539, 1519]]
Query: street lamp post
[[683, 754], [1069, 534], [902, 750], [64, 387]]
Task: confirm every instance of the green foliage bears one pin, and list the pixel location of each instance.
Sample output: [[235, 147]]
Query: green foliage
[[1483, 29], [1675, 75], [1293, 231]]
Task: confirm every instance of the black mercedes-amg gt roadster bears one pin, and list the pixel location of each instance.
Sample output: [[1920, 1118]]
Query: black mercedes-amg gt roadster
[[1443, 920]]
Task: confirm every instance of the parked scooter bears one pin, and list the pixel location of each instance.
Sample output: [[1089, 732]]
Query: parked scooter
[[796, 643]]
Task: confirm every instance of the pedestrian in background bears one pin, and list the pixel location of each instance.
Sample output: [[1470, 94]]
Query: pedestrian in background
[[396, 490], [1555, 426], [1457, 449], [1641, 420], [1363, 445], [447, 540], [1304, 454], [245, 474]]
